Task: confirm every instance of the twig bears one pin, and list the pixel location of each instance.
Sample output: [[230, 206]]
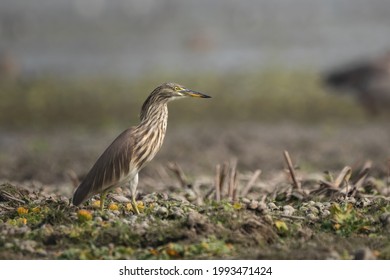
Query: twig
[[6, 207], [175, 168], [363, 174], [223, 179], [291, 217], [10, 196], [344, 176], [217, 182], [210, 193], [232, 178], [250, 183], [388, 177], [296, 184]]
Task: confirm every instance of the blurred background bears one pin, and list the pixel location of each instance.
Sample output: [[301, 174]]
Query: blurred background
[[309, 76]]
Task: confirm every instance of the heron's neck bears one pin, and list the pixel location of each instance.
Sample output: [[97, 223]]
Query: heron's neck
[[155, 117]]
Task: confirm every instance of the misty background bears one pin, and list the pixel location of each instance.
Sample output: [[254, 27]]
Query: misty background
[[132, 38]]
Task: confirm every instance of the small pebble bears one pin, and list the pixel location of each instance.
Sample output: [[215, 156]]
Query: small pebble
[[312, 217], [262, 206], [41, 252], [319, 205], [177, 212], [28, 246], [385, 219], [326, 204], [145, 225], [268, 219], [163, 211], [314, 210], [363, 202], [110, 215], [288, 210], [350, 199], [325, 213], [253, 204], [304, 208], [272, 206], [245, 200], [190, 195], [116, 212]]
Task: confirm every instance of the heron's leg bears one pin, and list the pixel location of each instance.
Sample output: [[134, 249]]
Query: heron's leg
[[133, 190], [102, 198]]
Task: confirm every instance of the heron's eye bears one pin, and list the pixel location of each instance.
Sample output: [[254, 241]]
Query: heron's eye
[[177, 88]]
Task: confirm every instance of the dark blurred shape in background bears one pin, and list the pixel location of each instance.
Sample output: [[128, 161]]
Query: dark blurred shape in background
[[367, 80], [74, 73], [9, 67]]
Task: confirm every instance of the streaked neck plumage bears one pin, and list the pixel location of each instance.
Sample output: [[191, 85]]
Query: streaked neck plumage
[[151, 130]]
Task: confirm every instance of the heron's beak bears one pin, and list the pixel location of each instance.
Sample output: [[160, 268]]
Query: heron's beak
[[194, 93]]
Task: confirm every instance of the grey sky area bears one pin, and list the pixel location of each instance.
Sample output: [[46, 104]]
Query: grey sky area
[[129, 38]]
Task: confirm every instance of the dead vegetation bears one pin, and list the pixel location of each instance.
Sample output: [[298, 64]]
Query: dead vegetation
[[232, 215]]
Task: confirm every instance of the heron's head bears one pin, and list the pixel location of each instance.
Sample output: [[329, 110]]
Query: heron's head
[[170, 91], [164, 93]]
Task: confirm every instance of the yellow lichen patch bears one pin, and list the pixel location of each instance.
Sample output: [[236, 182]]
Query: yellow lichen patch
[[22, 210], [237, 205], [171, 251], [140, 206], [204, 245], [336, 226], [36, 209], [21, 221], [113, 206], [154, 252], [230, 246], [281, 226], [84, 215], [96, 204], [129, 207]]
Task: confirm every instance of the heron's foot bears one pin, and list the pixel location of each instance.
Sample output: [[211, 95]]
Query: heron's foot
[[102, 198], [135, 206]]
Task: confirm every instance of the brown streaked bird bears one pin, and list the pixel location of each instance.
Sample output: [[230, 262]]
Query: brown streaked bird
[[132, 149]]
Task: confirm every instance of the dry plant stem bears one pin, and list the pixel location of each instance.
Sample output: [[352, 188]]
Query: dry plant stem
[[291, 217], [250, 183], [388, 177], [6, 207], [218, 182], [232, 179], [175, 168], [296, 184], [363, 174], [344, 175], [9, 196], [224, 177], [234, 198]]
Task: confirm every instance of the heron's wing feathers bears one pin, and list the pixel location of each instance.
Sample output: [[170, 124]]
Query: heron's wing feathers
[[109, 170]]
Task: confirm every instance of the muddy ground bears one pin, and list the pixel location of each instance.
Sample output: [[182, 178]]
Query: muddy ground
[[328, 216]]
